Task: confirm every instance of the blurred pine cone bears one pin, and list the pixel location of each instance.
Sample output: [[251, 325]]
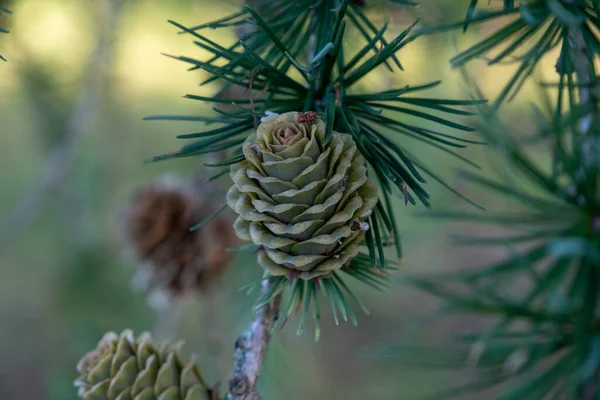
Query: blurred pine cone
[[125, 368], [175, 259]]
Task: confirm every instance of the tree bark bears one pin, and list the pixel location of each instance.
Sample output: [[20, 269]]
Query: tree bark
[[251, 350]]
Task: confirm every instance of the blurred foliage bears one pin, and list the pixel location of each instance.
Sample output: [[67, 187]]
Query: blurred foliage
[[539, 337]]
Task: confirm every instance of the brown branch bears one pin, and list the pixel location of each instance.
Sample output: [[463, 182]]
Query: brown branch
[[251, 350], [583, 65]]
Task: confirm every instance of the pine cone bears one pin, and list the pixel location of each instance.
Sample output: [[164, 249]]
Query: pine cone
[[158, 223], [304, 202], [125, 368]]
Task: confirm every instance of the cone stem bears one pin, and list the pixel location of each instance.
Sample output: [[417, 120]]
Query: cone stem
[[251, 350]]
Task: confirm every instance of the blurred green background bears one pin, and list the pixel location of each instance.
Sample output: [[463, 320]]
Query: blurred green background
[[80, 76]]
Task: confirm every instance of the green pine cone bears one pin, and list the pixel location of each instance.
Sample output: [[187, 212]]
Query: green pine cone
[[125, 368], [302, 201]]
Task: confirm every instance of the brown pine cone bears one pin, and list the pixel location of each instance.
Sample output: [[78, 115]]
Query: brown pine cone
[[174, 258]]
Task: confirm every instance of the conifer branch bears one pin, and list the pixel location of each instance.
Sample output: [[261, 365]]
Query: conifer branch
[[583, 67], [251, 349], [310, 37]]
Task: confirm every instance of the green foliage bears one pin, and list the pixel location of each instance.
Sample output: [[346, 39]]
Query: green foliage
[[544, 294], [543, 297], [533, 29], [294, 56]]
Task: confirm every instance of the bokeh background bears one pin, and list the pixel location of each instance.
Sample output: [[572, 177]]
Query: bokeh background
[[80, 76]]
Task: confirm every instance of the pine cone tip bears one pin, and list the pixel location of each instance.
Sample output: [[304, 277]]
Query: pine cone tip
[[125, 368]]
